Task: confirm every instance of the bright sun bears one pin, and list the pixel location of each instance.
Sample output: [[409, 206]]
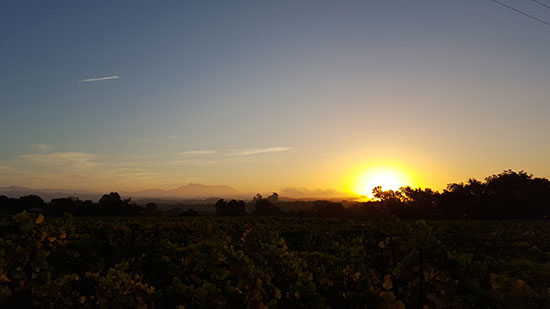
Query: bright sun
[[390, 178]]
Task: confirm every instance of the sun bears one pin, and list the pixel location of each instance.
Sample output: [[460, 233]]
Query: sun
[[388, 177]]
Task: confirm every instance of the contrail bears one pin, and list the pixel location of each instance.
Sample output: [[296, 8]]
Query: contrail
[[259, 151], [96, 79]]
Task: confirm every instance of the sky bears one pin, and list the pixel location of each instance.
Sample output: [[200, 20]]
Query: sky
[[289, 96]]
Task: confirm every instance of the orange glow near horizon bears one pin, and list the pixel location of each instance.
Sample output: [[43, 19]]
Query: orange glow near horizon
[[388, 176]]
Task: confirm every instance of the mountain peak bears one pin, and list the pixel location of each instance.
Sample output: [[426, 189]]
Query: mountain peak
[[190, 190]]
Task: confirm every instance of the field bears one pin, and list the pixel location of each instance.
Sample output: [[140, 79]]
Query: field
[[272, 262]]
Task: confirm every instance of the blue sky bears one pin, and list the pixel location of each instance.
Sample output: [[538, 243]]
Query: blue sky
[[264, 95]]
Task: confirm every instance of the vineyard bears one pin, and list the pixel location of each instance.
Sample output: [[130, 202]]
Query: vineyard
[[260, 262]]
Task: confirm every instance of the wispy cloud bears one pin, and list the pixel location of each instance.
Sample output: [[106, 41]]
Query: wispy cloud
[[97, 172], [197, 152], [66, 159], [194, 162], [41, 147], [138, 140], [251, 152], [97, 79]]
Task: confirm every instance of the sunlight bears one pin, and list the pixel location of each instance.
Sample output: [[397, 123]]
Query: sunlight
[[389, 177]]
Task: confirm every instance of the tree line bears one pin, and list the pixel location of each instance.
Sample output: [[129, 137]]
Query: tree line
[[508, 195], [108, 205]]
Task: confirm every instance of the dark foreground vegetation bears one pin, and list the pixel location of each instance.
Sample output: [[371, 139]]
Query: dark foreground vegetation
[[259, 262]]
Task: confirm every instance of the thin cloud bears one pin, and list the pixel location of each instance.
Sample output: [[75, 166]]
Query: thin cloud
[[64, 159], [251, 152], [97, 79], [197, 152], [41, 147], [194, 162], [137, 140]]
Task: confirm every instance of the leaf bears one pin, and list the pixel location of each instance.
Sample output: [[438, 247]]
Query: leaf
[[387, 282], [496, 281], [390, 301], [40, 219]]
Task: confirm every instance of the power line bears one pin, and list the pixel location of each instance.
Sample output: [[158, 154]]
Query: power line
[[522, 13], [542, 3]]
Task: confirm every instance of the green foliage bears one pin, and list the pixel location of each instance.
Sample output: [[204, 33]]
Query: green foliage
[[259, 262]]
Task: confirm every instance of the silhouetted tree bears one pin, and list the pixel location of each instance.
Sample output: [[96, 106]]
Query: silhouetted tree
[[233, 208], [328, 209], [392, 202], [263, 207], [60, 206], [461, 200], [113, 205], [30, 202], [506, 195], [273, 198], [387, 196], [23, 203], [422, 202], [189, 213], [10, 205], [237, 207], [151, 209], [85, 208], [221, 207]]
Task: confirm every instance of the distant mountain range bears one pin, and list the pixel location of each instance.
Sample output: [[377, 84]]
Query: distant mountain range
[[189, 191], [192, 190], [49, 194]]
